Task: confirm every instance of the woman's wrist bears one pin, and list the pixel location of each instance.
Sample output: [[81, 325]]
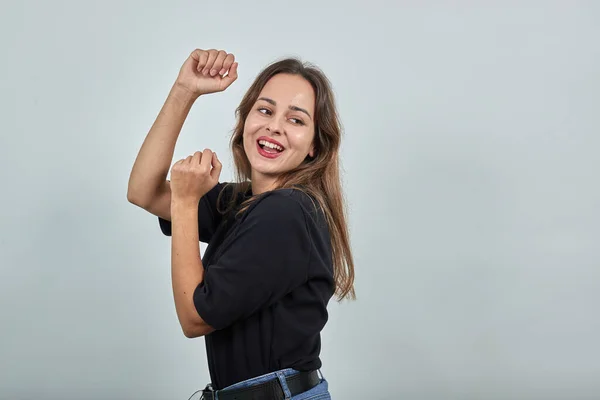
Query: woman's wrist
[[183, 93], [183, 204]]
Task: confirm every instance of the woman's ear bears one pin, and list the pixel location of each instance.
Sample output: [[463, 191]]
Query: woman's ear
[[311, 152]]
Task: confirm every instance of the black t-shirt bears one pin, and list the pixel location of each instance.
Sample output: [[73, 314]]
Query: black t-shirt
[[267, 282]]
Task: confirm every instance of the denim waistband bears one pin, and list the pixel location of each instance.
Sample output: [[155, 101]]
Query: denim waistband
[[280, 374]]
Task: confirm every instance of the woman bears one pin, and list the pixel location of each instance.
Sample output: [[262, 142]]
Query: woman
[[278, 246]]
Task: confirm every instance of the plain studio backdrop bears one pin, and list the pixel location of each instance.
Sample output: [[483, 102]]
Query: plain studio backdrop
[[470, 164]]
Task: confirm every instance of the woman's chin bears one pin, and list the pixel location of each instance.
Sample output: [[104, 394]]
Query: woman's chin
[[262, 166], [267, 172]]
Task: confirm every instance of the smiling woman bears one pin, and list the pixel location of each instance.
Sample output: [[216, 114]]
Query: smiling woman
[[278, 245], [275, 129]]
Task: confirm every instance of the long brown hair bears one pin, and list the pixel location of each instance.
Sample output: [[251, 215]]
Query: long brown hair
[[317, 176]]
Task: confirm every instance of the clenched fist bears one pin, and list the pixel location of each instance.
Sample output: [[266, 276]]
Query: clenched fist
[[207, 71], [194, 176]]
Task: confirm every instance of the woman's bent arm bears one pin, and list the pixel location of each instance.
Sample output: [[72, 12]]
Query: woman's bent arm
[[148, 187]]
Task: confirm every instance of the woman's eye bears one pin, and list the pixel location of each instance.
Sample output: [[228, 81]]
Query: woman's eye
[[266, 111]]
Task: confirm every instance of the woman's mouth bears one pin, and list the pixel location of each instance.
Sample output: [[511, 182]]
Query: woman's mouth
[[268, 149]]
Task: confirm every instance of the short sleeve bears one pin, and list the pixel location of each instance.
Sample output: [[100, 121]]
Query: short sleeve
[[208, 216], [267, 259]]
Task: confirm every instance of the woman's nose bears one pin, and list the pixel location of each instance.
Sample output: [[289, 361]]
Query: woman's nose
[[274, 126]]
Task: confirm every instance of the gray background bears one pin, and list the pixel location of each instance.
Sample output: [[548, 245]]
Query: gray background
[[470, 164]]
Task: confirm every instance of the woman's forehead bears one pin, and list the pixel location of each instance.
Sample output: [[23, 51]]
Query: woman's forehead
[[289, 90]]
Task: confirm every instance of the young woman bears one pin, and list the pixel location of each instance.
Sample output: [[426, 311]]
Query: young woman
[[278, 246]]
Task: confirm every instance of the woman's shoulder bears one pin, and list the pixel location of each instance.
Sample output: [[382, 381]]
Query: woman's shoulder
[[289, 202], [225, 192], [288, 197]]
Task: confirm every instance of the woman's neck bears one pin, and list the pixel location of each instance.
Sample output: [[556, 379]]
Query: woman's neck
[[261, 183]]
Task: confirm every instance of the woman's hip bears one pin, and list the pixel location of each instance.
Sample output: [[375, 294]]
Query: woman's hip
[[283, 384]]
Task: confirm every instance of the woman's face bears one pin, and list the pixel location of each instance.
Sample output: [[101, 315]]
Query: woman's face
[[279, 130]]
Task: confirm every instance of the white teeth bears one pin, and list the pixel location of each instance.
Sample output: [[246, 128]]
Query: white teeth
[[271, 145]]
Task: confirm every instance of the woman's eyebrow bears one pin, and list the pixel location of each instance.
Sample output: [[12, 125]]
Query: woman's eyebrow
[[295, 108]]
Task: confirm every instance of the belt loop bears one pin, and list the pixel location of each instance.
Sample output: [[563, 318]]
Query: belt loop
[[284, 386], [208, 393]]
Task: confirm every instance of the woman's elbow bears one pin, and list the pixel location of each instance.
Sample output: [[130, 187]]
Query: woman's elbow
[[136, 199], [195, 331]]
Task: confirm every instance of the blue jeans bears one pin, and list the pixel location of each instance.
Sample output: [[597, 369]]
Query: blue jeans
[[319, 392]]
